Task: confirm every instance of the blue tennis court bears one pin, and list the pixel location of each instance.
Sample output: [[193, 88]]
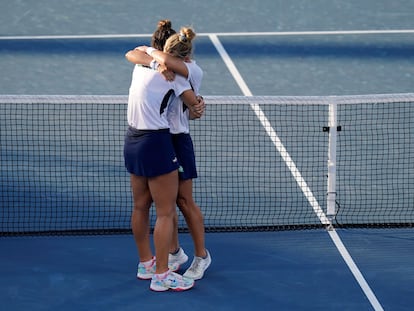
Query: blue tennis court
[[246, 48], [284, 270]]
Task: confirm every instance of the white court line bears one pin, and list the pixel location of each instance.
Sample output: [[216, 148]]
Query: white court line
[[298, 177], [355, 271], [273, 33], [270, 131]]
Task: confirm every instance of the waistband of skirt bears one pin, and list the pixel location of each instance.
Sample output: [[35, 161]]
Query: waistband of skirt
[[141, 132]]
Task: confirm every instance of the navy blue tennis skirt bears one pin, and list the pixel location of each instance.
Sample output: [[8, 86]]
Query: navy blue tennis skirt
[[184, 149], [149, 153]]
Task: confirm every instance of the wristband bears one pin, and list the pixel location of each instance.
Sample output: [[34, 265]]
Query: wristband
[[150, 50], [154, 65]]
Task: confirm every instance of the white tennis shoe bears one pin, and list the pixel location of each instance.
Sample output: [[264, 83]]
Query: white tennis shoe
[[176, 260], [198, 267], [172, 281]]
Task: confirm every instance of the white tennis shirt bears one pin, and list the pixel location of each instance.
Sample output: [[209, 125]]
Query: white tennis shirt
[[178, 114], [149, 97]]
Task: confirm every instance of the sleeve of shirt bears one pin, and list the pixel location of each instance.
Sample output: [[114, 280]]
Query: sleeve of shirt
[[181, 85], [188, 65], [195, 76]]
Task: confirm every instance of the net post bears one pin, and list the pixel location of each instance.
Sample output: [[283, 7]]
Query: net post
[[331, 193]]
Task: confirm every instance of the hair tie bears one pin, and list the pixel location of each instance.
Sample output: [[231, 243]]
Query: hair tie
[[182, 37]]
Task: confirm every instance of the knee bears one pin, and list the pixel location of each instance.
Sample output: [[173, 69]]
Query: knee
[[142, 205], [186, 205], [182, 202], [189, 208]]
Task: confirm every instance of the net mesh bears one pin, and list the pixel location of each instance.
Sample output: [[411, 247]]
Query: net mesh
[[262, 163]]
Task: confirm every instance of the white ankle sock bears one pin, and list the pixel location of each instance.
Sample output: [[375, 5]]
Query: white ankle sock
[[148, 263], [162, 276]]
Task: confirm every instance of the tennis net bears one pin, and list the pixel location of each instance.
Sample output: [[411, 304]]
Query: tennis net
[[264, 163]]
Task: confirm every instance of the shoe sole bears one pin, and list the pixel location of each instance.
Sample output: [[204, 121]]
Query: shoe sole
[[165, 289], [140, 277]]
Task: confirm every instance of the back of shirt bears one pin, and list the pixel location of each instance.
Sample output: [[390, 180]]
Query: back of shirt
[[149, 97]]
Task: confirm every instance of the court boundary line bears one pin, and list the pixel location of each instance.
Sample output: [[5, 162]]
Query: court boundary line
[[221, 34], [270, 131], [298, 177]]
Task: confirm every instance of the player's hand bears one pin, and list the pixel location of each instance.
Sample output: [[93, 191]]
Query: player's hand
[[198, 110], [168, 74], [200, 100]]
